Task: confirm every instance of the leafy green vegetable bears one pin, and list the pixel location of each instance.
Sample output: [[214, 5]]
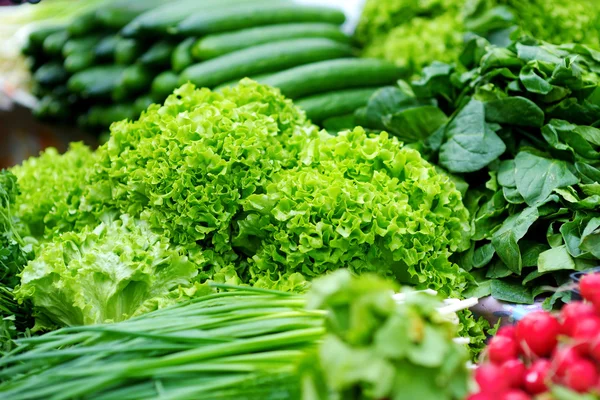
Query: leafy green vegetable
[[117, 270], [523, 134], [240, 183], [348, 338]]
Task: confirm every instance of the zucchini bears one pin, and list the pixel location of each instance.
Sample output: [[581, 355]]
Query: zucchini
[[51, 108], [35, 41], [164, 84], [79, 61], [261, 59], [105, 49], [158, 55], [116, 16], [75, 45], [54, 43], [84, 24], [157, 21], [222, 43], [97, 81], [137, 77], [325, 105], [332, 75], [182, 55], [50, 74], [127, 50], [246, 16]]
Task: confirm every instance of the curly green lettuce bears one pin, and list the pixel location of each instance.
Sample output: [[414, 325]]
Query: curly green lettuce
[[365, 203], [113, 272], [51, 187]]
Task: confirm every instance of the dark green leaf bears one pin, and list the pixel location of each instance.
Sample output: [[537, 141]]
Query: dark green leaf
[[555, 259], [511, 291], [415, 124], [471, 143], [515, 111], [537, 177], [533, 82]]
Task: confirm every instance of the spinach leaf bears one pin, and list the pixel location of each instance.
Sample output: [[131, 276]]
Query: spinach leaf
[[471, 143], [511, 291], [537, 177], [514, 111]]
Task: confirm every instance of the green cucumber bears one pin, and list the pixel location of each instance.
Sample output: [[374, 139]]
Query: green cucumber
[[35, 41], [182, 55], [157, 21], [219, 44], [79, 61], [50, 74], [75, 45], [158, 55], [116, 16], [164, 84], [263, 58], [137, 77], [102, 116], [325, 105], [332, 75], [105, 49], [339, 123], [236, 81], [54, 42], [84, 24], [127, 50], [233, 18], [142, 103], [97, 81]]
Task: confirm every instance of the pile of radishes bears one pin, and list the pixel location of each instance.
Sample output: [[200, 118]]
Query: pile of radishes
[[543, 350]]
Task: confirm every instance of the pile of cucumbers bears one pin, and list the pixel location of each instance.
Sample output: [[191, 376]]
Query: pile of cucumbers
[[111, 63]]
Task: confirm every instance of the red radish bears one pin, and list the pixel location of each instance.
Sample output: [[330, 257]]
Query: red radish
[[585, 333], [490, 379], [596, 302], [589, 285], [502, 348], [563, 358], [537, 332], [573, 312], [508, 331], [535, 378], [581, 376], [515, 395], [514, 372]]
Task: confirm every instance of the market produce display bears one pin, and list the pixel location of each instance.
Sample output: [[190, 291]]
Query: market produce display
[[546, 354], [280, 210], [112, 62], [348, 339], [518, 125]]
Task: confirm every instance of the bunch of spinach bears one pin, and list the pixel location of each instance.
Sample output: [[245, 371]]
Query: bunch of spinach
[[520, 125]]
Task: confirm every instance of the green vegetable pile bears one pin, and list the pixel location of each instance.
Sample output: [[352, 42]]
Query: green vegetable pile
[[519, 125], [415, 33], [111, 62], [234, 187], [347, 339]]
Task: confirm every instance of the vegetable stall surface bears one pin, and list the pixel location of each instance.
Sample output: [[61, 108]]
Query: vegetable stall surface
[[347, 339], [518, 125]]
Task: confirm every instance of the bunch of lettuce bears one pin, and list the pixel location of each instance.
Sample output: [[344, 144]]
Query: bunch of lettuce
[[520, 125], [241, 184], [51, 188], [113, 272], [360, 202], [411, 33]]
